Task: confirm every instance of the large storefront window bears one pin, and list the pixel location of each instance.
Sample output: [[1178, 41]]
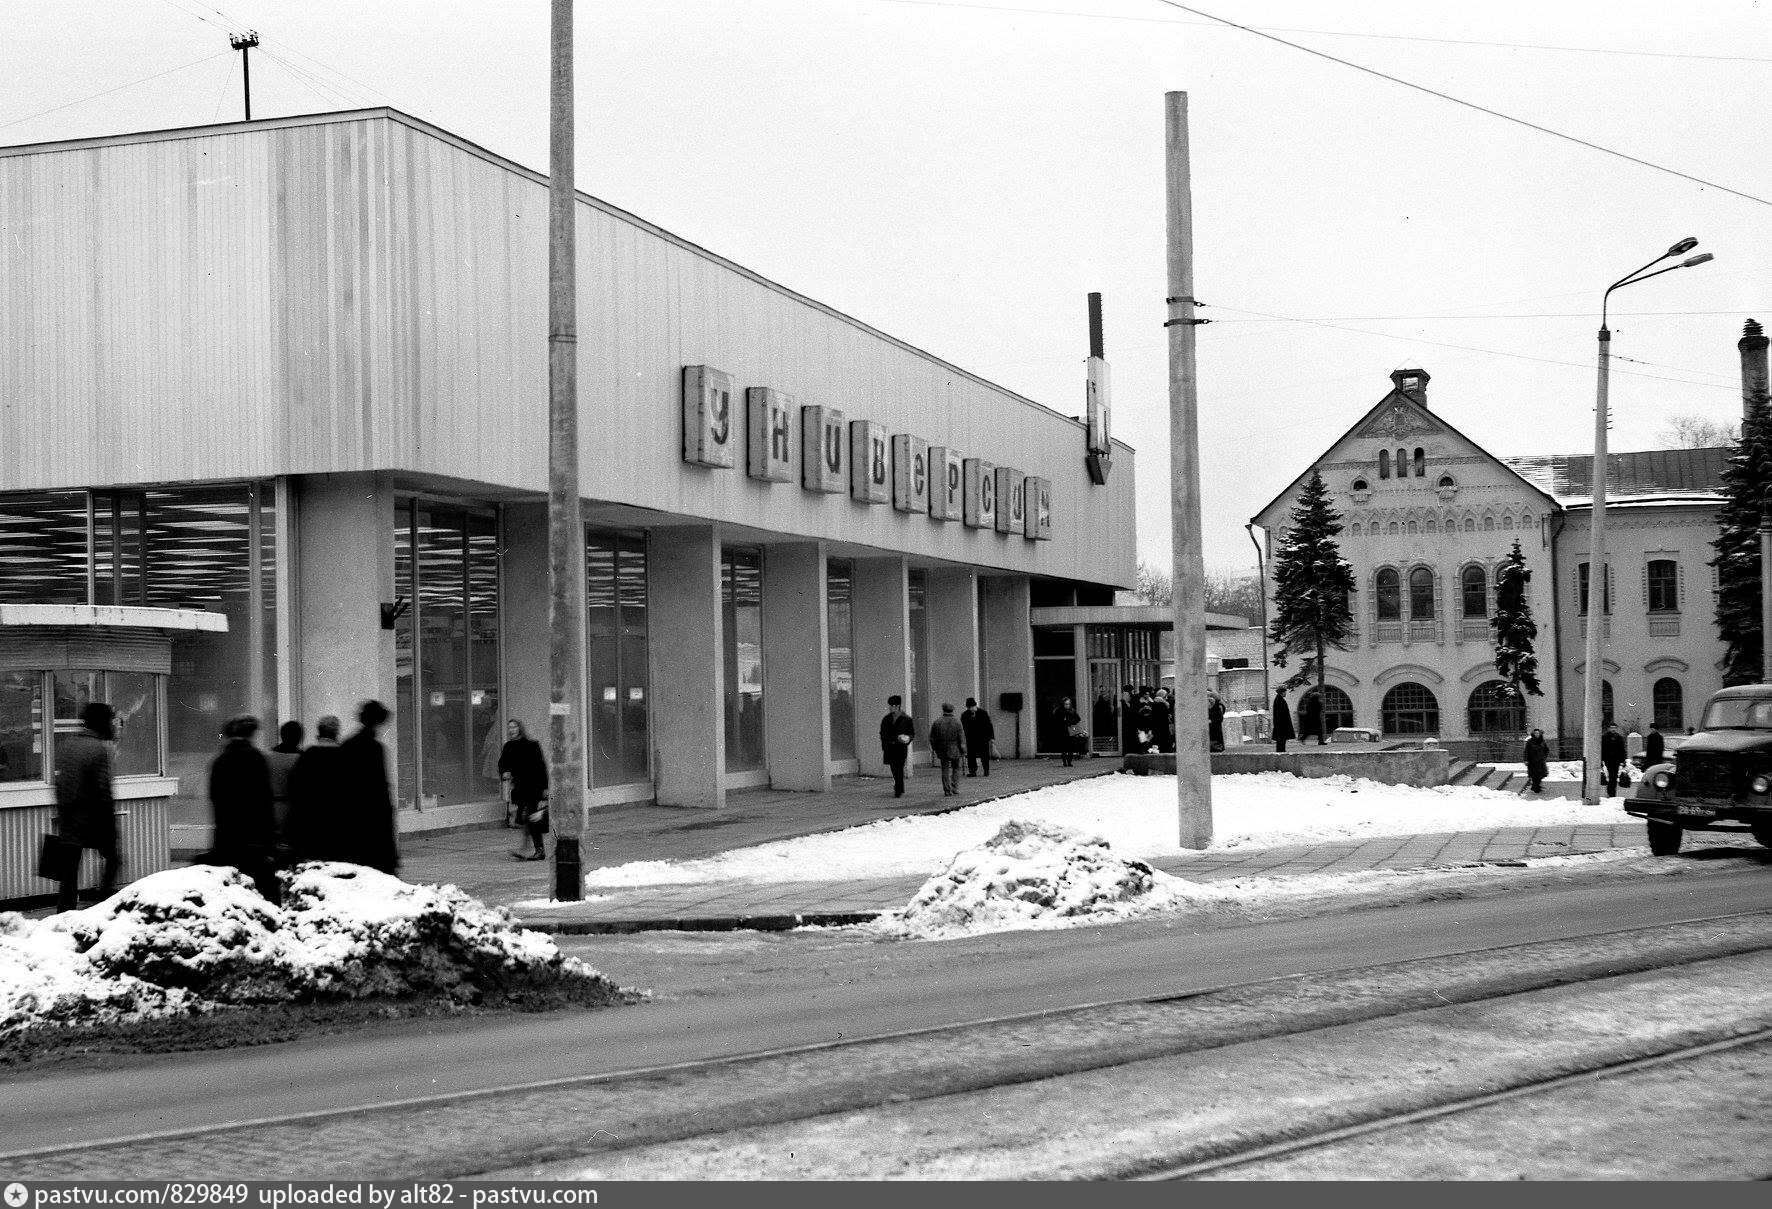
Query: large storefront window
[[446, 655], [616, 638], [21, 714], [43, 550], [741, 579], [919, 704], [839, 592]]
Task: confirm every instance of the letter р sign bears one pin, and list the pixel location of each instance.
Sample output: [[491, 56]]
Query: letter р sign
[[947, 483], [770, 431], [824, 445], [708, 421]]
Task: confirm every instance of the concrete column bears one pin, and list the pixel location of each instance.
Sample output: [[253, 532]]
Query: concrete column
[[951, 599], [344, 571], [796, 646], [687, 666], [523, 612], [882, 612], [1007, 637]]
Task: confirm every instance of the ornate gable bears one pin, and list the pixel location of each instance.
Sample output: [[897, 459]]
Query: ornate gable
[[1396, 418]]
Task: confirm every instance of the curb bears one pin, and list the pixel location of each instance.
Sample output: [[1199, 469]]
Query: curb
[[705, 923]]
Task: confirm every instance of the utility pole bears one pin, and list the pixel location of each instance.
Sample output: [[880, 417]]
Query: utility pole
[[566, 547], [1193, 760], [243, 43]]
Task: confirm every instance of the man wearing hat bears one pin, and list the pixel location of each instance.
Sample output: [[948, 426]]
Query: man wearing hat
[[85, 812], [947, 739], [896, 733]]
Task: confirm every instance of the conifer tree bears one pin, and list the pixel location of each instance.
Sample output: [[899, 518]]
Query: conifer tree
[[1515, 661], [1312, 587], [1746, 483]]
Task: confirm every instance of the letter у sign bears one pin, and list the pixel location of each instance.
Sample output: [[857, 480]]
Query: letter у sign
[[981, 494], [910, 473], [947, 483], [1011, 501], [824, 444], [1038, 495], [869, 472], [707, 417], [771, 427]]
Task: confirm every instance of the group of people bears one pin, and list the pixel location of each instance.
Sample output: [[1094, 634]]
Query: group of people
[[1616, 752], [1311, 720], [969, 737]]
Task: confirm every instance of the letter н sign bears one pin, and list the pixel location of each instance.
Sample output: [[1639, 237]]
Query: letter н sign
[[771, 454]]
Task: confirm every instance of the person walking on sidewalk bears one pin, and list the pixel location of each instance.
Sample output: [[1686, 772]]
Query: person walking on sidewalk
[[947, 739], [1282, 722], [1070, 728], [282, 760], [1537, 761], [897, 732], [524, 770], [981, 732], [369, 803], [318, 827], [85, 809], [1611, 755], [245, 834], [1654, 747]]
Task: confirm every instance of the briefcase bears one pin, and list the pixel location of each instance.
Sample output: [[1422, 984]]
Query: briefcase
[[58, 858]]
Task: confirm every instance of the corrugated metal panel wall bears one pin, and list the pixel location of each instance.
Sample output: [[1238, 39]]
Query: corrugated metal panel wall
[[142, 835]]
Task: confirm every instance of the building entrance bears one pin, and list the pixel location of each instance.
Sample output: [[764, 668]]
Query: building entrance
[[1103, 711]]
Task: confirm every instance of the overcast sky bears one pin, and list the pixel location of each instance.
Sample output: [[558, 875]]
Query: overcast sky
[[963, 175]]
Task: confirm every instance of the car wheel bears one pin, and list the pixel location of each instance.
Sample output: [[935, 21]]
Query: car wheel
[[1664, 840], [1763, 833]]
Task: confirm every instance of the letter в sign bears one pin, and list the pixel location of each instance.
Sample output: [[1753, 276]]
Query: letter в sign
[[869, 482], [1011, 517], [947, 483], [824, 446], [981, 494], [707, 417], [770, 453], [910, 473], [1038, 521]]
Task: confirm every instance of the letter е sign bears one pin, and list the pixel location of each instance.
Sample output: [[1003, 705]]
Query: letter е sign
[[771, 453], [910, 473], [707, 417]]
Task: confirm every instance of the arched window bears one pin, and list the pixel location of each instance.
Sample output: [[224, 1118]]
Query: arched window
[[1409, 709], [1605, 702], [1421, 594], [1507, 522], [1402, 463], [1433, 524], [1362, 485], [1664, 585], [1476, 592], [1495, 708], [1338, 708], [1470, 524], [1412, 527], [1670, 705], [1447, 480], [1384, 463], [1420, 462], [1605, 594], [1394, 528], [1488, 524], [1387, 588], [1354, 529]]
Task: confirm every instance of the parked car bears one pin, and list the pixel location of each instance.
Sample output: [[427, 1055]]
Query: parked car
[[1720, 779]]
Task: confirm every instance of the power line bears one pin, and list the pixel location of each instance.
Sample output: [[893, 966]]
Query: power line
[[1494, 113], [1516, 315], [119, 88], [328, 94]]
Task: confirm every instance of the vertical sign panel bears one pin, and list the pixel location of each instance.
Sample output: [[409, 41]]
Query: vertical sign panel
[[1011, 504], [771, 428], [824, 447], [1038, 493], [947, 483], [707, 417], [869, 472], [1099, 409], [910, 473], [981, 494]]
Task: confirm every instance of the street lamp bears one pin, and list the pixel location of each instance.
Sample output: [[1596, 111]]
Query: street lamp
[[1597, 585]]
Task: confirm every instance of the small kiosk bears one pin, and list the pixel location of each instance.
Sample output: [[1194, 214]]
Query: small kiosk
[[53, 660]]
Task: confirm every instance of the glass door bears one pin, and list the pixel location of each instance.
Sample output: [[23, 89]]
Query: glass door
[[1104, 706]]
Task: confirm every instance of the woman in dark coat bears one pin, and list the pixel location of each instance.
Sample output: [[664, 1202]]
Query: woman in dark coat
[[319, 830], [524, 768], [1310, 716], [1069, 723], [1282, 722], [1214, 721], [369, 806], [240, 796], [1537, 761]]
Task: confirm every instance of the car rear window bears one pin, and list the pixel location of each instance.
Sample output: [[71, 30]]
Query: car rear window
[[1739, 713]]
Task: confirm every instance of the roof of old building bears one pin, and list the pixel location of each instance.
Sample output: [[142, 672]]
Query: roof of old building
[[1660, 473]]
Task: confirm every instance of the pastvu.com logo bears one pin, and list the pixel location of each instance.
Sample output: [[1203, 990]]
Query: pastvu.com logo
[[16, 1195]]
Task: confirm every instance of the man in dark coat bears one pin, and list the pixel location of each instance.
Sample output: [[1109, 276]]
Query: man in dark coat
[[1537, 761], [980, 733], [1128, 720], [1162, 721], [897, 731], [318, 830], [1282, 722], [85, 812], [240, 797], [1654, 747], [1611, 755], [368, 802], [947, 739]]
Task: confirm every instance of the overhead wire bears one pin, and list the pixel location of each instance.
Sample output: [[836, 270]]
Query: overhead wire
[[108, 91]]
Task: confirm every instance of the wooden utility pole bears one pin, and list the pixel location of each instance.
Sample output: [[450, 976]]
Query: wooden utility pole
[[243, 43], [1193, 759], [566, 547]]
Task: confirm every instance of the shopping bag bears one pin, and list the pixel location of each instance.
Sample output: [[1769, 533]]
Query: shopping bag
[[995, 754], [57, 858]]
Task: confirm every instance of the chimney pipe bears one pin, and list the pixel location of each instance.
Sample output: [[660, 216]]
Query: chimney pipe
[[1753, 362]]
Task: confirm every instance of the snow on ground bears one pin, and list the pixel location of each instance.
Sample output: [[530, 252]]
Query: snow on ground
[[193, 939], [1136, 816]]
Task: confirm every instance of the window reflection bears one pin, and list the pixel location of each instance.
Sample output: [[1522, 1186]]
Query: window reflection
[[43, 548], [616, 653], [839, 608], [741, 577], [21, 713]]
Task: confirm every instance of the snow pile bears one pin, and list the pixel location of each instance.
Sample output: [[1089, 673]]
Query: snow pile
[[193, 939], [1031, 875]]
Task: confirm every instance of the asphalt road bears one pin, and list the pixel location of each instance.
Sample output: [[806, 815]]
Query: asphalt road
[[807, 988]]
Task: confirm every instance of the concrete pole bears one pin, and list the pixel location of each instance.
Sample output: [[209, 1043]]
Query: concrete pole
[[1193, 760], [566, 547], [1765, 598], [1593, 783]]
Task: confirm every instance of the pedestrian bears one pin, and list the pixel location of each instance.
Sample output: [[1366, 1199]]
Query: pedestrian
[[245, 834], [1282, 722], [1310, 716], [1611, 755], [1214, 721], [85, 809], [1144, 720], [947, 739], [1070, 729], [318, 828], [369, 805], [524, 770], [897, 732], [1128, 719], [1537, 761], [282, 760], [1654, 747], [1162, 719], [981, 736]]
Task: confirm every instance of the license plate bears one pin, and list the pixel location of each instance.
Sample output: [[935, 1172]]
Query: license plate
[[1702, 812]]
